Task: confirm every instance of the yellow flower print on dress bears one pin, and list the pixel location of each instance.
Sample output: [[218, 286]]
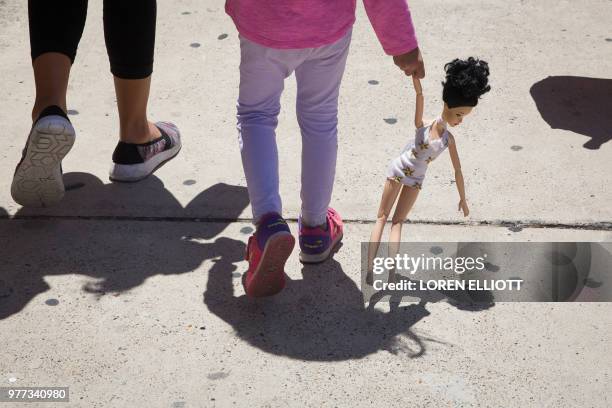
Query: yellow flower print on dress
[[415, 154], [429, 159], [408, 171], [423, 145]]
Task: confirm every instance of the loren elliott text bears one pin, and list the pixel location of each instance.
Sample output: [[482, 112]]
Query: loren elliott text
[[452, 284]]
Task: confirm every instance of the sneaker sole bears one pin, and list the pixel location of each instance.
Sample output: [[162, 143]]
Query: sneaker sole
[[268, 279], [38, 179], [323, 256], [130, 173]]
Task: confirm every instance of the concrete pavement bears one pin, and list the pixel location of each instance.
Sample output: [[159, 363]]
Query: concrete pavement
[[131, 295]]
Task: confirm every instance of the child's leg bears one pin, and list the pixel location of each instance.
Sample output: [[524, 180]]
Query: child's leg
[[261, 84], [318, 82]]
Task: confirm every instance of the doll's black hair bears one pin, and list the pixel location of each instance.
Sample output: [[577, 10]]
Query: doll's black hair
[[466, 81]]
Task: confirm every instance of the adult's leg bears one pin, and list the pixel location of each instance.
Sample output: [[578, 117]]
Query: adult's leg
[[55, 31], [129, 32], [318, 83]]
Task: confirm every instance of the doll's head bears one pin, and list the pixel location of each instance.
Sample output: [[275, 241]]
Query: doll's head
[[466, 81]]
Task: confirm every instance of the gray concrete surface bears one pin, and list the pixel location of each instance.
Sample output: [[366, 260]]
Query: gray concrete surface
[[131, 295]]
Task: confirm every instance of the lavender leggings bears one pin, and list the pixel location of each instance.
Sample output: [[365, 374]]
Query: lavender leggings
[[318, 72]]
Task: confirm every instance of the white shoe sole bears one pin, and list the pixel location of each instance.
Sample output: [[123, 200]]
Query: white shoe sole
[[322, 257], [129, 173], [38, 179]]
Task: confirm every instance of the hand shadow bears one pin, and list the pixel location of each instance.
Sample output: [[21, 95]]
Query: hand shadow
[[578, 104], [318, 318], [119, 254]]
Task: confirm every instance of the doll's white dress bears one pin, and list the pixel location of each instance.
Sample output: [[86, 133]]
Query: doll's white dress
[[410, 166]]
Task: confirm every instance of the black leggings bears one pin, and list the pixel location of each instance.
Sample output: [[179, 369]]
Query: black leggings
[[129, 32]]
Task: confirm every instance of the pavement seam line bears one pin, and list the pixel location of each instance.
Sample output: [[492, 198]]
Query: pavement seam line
[[597, 226]]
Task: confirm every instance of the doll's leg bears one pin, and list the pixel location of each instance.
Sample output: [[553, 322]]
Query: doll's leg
[[389, 195], [405, 202]]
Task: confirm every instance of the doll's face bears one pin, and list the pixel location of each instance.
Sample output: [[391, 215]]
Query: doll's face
[[454, 116]]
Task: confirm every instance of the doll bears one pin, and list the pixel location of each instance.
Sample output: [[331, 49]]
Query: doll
[[466, 81]]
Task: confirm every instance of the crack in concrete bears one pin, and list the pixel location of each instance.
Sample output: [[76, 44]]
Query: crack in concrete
[[596, 226]]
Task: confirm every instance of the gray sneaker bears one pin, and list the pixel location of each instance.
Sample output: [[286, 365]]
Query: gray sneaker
[[134, 162], [37, 181]]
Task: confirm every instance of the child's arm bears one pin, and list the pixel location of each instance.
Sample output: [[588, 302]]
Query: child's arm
[[418, 113], [392, 23], [452, 149]]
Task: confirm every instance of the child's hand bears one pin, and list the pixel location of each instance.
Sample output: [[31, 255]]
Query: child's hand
[[411, 63], [463, 206]]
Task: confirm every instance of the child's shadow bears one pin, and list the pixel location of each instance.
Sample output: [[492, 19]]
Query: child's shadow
[[319, 318], [119, 254]]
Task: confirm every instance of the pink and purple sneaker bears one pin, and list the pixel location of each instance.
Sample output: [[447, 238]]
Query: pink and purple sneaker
[[267, 252], [317, 243]]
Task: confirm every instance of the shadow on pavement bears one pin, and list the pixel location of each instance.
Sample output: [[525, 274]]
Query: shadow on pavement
[[120, 254], [578, 104], [321, 317]]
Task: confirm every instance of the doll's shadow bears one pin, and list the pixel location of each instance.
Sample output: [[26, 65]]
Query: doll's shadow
[[578, 104], [320, 317], [115, 255]]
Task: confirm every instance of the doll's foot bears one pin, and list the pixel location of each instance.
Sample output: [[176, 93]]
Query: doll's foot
[[267, 252], [316, 243], [134, 162], [369, 278]]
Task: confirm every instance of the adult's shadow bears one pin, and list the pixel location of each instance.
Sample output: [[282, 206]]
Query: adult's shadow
[[119, 254], [320, 317], [578, 104]]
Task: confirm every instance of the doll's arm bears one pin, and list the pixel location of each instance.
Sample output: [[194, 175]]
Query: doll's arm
[[452, 149], [418, 113]]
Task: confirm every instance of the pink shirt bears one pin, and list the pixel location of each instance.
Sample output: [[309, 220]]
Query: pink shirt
[[313, 23]]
